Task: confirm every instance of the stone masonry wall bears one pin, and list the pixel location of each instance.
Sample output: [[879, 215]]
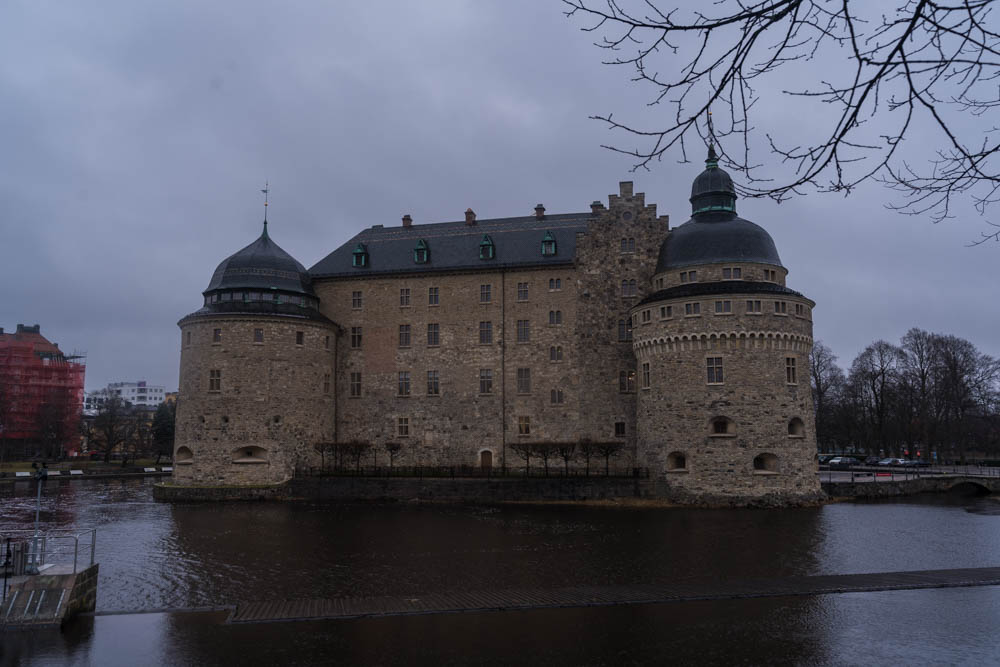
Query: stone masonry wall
[[271, 409]]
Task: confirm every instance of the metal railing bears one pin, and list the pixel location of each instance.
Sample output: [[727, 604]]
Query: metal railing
[[903, 473], [536, 471], [25, 551]]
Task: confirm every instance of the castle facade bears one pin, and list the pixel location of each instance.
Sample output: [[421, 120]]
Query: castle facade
[[461, 339]]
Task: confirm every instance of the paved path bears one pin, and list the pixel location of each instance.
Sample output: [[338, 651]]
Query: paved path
[[591, 596]]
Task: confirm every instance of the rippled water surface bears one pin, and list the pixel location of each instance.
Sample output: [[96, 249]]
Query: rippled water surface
[[156, 556]]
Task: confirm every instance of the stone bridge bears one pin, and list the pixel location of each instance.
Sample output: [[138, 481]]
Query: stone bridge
[[871, 488]]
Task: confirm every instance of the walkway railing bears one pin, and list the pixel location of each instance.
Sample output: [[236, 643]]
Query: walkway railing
[[23, 550], [554, 472]]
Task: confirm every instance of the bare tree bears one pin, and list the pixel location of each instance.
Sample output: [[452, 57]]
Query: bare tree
[[587, 451], [524, 450], [545, 451], [392, 448], [607, 450], [113, 424], [877, 74], [566, 451], [874, 372], [163, 429], [827, 381]]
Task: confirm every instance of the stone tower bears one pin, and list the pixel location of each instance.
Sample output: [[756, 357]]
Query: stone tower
[[257, 373], [724, 413]]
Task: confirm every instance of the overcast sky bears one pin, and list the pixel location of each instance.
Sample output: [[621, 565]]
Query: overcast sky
[[135, 138]]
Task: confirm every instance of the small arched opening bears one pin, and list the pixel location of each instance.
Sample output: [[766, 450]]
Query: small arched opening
[[722, 427], [486, 460], [765, 464], [677, 462], [969, 489], [183, 456], [250, 454], [796, 428]]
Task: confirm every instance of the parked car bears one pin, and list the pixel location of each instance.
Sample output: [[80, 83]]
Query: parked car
[[891, 462], [844, 462], [871, 461]]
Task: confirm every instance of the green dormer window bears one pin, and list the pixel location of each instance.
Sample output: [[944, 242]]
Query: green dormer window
[[421, 254], [486, 249], [360, 256], [548, 244]]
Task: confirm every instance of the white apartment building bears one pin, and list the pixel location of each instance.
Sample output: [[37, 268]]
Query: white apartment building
[[140, 394]]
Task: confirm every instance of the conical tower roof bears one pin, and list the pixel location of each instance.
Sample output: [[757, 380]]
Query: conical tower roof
[[261, 265]]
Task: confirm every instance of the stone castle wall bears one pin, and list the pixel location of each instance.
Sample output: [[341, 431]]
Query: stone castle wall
[[270, 409]]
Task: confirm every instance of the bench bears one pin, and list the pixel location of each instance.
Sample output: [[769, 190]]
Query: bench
[[167, 469], [75, 472], [22, 474], [54, 473], [149, 469]]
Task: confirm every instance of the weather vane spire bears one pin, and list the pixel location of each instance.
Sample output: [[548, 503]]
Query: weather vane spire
[[713, 159], [266, 190]]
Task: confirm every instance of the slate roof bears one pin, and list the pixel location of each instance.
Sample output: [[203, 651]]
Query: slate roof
[[257, 308], [261, 265], [454, 246], [725, 287], [717, 237]]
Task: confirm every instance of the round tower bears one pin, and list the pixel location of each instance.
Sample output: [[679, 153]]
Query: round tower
[[725, 413], [257, 373]]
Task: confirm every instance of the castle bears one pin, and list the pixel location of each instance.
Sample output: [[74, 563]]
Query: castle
[[461, 339]]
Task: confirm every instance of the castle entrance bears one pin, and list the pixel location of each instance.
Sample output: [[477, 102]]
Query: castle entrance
[[486, 460]]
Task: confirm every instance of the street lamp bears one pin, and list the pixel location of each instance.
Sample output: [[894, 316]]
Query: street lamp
[[41, 474]]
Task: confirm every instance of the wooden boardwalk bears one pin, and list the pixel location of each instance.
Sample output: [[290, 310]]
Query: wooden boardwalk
[[592, 596]]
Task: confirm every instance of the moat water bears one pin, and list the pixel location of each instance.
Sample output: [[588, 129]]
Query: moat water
[[156, 559]]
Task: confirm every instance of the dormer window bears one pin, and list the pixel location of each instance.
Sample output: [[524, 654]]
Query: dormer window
[[548, 244], [360, 256], [421, 254], [486, 248]]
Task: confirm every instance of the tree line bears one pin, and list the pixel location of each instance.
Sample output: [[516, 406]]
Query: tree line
[[120, 427], [930, 395]]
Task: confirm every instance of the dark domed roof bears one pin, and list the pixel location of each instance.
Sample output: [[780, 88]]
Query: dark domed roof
[[262, 265], [715, 234]]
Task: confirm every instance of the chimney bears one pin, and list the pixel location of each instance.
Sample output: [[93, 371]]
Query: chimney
[[595, 207], [539, 212], [407, 220], [625, 189], [470, 216]]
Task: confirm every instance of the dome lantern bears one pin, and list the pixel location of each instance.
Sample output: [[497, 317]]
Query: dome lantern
[[713, 188]]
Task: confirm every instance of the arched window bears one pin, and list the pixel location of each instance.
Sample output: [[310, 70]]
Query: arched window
[[555, 317], [555, 353], [722, 427], [763, 463], [486, 249], [796, 428], [184, 456], [676, 461], [421, 253], [548, 244], [360, 256]]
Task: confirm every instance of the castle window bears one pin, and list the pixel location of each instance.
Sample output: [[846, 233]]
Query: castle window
[[215, 380], [326, 383], [647, 316], [255, 296], [421, 253], [522, 291], [548, 244], [556, 396], [300, 338], [800, 310], [404, 335], [486, 248], [252, 454], [753, 305], [433, 295], [677, 461], [628, 245], [485, 380], [555, 353], [404, 297], [770, 275], [765, 463], [723, 426], [403, 427], [433, 334], [796, 428], [666, 312], [790, 370], [555, 317], [187, 337], [355, 337], [714, 365], [723, 307], [355, 385], [645, 375], [734, 273], [625, 330], [780, 307], [626, 381], [523, 425], [216, 335], [326, 342], [523, 331], [619, 429], [183, 456], [629, 288], [403, 384], [258, 335], [524, 380], [692, 309], [356, 300], [360, 256], [276, 419], [227, 296], [555, 284], [485, 333], [485, 293], [433, 384], [689, 276]]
